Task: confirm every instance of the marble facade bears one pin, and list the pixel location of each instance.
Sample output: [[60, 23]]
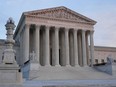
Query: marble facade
[[58, 36]]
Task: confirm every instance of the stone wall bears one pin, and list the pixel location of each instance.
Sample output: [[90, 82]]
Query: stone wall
[[101, 53]]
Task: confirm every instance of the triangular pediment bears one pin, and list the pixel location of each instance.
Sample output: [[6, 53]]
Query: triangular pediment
[[60, 13]]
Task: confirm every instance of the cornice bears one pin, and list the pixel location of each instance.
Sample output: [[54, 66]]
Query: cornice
[[105, 49], [57, 19]]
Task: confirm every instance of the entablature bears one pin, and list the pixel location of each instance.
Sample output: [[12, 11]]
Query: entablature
[[57, 22]]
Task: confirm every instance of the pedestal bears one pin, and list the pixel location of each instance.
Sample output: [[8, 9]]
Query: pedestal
[[10, 73], [9, 56]]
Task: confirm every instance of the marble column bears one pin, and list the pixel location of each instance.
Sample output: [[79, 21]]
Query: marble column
[[75, 48], [91, 48], [26, 43], [37, 40], [71, 47], [87, 49], [21, 47], [56, 46], [62, 47], [47, 47], [80, 48], [84, 49], [67, 46]]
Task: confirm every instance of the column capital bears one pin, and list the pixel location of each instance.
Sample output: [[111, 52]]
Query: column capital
[[38, 26], [84, 30], [91, 31], [47, 27], [66, 28], [27, 25], [57, 28], [75, 30]]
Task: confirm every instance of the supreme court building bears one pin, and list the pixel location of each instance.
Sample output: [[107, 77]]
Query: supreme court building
[[57, 36], [58, 43]]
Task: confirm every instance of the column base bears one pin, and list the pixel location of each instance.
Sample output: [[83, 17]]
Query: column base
[[85, 66], [77, 66], [57, 65], [47, 65], [68, 66]]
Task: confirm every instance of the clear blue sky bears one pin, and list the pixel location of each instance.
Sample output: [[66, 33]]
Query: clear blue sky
[[102, 11]]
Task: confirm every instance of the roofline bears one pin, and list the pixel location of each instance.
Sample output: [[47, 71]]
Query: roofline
[[62, 7], [105, 47], [19, 23]]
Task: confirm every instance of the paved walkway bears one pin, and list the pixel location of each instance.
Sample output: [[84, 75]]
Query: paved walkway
[[72, 82]]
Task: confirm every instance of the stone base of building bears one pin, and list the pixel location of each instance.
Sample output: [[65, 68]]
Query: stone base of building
[[68, 73], [9, 73], [66, 76]]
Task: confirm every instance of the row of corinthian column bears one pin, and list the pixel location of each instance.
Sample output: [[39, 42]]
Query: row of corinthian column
[[56, 46]]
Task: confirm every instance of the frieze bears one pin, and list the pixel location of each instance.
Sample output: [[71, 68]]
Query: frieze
[[58, 23]]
